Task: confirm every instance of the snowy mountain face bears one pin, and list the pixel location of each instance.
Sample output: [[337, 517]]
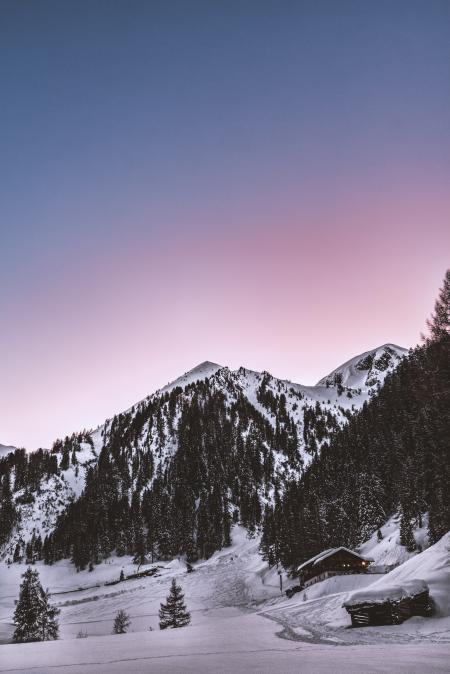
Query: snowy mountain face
[[368, 370], [240, 435]]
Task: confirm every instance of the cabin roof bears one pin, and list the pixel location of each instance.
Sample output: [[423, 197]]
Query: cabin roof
[[328, 553]]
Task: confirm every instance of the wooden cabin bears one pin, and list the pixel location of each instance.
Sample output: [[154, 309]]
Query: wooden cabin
[[332, 562], [389, 605]]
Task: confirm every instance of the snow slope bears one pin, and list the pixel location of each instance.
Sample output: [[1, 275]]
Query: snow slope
[[202, 371], [388, 551], [244, 644], [240, 622]]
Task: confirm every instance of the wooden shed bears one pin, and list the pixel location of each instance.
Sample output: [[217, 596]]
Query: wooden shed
[[331, 562], [389, 604]]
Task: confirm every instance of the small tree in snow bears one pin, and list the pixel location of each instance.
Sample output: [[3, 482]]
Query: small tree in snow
[[34, 617], [173, 613], [121, 622]]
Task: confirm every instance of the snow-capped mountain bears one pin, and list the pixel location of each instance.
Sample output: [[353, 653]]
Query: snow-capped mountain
[[264, 427], [368, 370]]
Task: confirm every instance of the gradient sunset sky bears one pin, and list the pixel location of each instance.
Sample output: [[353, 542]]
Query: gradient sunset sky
[[254, 183]]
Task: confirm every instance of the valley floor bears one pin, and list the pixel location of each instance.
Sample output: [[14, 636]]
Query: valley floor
[[240, 622], [241, 644]]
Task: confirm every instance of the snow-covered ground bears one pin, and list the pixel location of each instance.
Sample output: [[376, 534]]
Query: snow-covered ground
[[240, 621], [243, 644]]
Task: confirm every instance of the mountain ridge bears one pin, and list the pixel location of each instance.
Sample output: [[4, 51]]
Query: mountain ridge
[[207, 369], [263, 427]]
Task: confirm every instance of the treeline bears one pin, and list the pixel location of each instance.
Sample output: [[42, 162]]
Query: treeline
[[391, 456]]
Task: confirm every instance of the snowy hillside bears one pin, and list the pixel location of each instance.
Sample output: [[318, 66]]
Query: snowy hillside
[[388, 551]]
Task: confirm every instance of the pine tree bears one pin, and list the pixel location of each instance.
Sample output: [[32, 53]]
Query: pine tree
[[173, 613], [139, 546], [268, 537], [121, 622], [48, 624], [370, 511], [8, 513], [406, 532], [34, 617], [17, 557], [439, 323]]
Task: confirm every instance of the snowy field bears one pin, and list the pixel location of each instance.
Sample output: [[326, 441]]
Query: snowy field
[[242, 644], [240, 622]]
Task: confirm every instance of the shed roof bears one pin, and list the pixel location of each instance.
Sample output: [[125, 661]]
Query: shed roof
[[328, 553], [387, 592]]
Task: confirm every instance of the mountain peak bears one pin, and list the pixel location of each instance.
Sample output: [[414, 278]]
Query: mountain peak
[[368, 369], [206, 365], [202, 371]]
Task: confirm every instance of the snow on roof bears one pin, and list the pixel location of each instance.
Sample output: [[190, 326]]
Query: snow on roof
[[392, 592], [327, 553]]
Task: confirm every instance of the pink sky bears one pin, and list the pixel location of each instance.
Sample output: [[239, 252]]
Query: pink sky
[[296, 294], [257, 184]]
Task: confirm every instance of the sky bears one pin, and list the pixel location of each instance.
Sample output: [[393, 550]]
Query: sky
[[253, 183]]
